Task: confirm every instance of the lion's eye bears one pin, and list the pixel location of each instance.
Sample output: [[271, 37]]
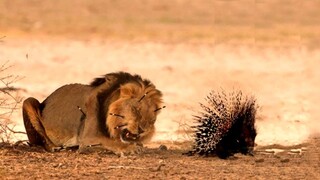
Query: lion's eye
[[118, 115]]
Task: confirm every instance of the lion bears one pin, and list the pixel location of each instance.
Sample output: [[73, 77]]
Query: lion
[[117, 112]]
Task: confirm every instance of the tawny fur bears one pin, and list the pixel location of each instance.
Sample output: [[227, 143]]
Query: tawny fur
[[116, 112]]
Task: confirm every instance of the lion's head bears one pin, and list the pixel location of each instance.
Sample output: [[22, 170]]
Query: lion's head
[[131, 117]]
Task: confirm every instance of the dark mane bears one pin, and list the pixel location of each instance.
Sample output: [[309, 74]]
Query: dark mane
[[97, 81], [122, 78]]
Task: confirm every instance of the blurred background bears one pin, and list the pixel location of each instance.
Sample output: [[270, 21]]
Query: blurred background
[[269, 49], [285, 22]]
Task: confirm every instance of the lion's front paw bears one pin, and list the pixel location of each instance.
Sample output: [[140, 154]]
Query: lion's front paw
[[133, 149], [139, 149], [52, 148]]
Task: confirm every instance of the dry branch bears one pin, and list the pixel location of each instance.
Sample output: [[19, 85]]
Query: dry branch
[[9, 102]]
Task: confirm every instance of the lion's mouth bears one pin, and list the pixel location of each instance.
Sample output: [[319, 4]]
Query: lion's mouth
[[127, 137]]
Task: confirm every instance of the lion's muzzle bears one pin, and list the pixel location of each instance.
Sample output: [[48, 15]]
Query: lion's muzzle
[[127, 137]]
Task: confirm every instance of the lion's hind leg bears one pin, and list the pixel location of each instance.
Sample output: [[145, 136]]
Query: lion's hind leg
[[34, 128]]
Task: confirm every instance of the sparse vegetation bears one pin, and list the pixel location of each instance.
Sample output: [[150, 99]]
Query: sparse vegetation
[[9, 102]]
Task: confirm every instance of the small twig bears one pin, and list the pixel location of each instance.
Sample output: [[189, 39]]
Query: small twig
[[125, 167], [157, 169], [16, 132], [5, 66], [11, 88]]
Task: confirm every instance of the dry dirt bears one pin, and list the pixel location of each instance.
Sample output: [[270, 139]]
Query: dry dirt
[[21, 162], [268, 49]]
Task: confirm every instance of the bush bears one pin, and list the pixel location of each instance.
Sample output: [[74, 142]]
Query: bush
[[9, 103]]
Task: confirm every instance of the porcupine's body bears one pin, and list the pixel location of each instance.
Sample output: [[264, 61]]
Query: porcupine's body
[[226, 126]]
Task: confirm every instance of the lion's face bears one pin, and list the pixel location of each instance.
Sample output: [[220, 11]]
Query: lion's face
[[131, 119]]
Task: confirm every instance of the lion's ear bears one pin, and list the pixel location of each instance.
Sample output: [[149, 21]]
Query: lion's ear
[[128, 91]]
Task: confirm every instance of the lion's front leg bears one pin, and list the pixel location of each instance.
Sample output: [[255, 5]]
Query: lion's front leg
[[129, 149], [116, 146]]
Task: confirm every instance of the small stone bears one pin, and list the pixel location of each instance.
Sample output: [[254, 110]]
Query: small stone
[[284, 160], [163, 147], [260, 160]]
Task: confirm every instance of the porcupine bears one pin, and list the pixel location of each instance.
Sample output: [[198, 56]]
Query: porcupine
[[226, 125]]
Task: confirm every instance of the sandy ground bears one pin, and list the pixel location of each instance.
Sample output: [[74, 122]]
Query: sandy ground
[[268, 49], [23, 162]]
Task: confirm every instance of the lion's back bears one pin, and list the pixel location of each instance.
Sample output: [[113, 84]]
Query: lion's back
[[61, 116]]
